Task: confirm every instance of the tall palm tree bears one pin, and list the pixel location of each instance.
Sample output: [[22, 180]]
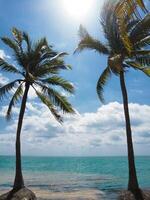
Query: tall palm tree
[[119, 61], [37, 67]]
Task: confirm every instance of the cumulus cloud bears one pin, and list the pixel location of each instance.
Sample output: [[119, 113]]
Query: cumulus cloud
[[3, 54], [98, 133]]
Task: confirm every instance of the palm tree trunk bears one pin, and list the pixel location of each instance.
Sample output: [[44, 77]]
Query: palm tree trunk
[[19, 182], [133, 185]]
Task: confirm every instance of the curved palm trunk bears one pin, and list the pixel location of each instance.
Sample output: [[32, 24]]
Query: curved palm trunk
[[133, 182], [19, 182]]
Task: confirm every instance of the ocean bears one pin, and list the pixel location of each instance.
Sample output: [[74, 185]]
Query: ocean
[[67, 174]]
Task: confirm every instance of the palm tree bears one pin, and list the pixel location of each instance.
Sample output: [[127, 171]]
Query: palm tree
[[37, 67], [119, 61]]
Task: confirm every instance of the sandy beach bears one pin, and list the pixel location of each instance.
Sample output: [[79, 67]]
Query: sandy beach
[[87, 194], [90, 194]]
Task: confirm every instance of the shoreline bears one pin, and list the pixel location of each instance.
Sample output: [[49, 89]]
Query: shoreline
[[82, 194]]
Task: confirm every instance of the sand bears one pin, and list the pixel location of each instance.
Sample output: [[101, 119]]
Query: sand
[[87, 194], [83, 194]]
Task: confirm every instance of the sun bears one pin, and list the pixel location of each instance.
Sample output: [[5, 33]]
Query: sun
[[78, 9]]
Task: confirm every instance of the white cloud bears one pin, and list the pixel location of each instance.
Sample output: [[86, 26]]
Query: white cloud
[[99, 133], [3, 54], [3, 79], [32, 95]]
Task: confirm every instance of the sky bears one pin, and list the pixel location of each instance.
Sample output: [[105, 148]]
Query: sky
[[95, 129]]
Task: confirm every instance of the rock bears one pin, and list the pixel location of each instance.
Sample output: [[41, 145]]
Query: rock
[[127, 195], [22, 194]]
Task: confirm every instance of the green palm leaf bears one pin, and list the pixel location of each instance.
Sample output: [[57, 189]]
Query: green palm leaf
[[59, 55], [144, 60], [11, 43], [17, 95], [7, 67], [48, 103], [40, 45], [143, 42], [17, 35], [28, 41], [57, 99], [58, 81], [101, 83], [6, 89], [141, 30], [128, 9], [87, 42], [141, 53], [50, 68], [138, 66]]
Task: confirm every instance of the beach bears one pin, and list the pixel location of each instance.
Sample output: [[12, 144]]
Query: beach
[[89, 194], [83, 194]]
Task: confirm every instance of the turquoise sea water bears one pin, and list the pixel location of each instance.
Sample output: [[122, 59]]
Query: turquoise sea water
[[107, 174]]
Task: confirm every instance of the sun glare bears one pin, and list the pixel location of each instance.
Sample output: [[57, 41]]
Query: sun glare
[[78, 9]]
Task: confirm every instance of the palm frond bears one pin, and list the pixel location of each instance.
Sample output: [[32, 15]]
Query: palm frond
[[17, 35], [48, 103], [144, 60], [40, 45], [57, 99], [17, 95], [51, 62], [128, 9], [87, 42], [27, 40], [45, 70], [7, 67], [132, 6], [141, 4], [138, 66], [131, 23], [101, 83], [110, 27], [146, 70], [50, 67], [143, 42], [141, 30], [11, 43], [123, 11], [6, 89], [59, 55], [58, 81], [141, 53], [47, 55], [17, 49]]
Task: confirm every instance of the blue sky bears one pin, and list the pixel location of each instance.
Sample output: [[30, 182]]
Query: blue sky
[[84, 134]]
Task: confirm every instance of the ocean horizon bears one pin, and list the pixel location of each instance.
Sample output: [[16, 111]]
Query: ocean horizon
[[107, 174]]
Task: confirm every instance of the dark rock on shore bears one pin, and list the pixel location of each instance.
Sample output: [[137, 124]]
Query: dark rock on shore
[[127, 195], [22, 194]]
